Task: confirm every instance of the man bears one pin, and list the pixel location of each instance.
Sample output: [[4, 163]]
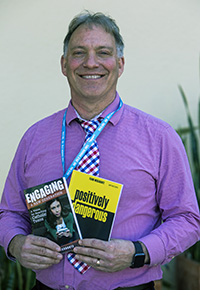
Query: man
[[157, 211]]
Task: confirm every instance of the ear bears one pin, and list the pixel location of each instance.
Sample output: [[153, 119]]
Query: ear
[[121, 62], [63, 65]]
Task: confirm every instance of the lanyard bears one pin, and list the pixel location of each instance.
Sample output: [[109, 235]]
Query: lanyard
[[86, 146]]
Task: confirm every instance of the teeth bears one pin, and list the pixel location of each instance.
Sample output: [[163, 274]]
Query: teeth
[[92, 77]]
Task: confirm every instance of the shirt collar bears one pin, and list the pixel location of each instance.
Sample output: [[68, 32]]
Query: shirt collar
[[81, 119], [72, 114]]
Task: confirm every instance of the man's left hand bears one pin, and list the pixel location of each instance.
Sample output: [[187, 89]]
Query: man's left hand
[[111, 256]]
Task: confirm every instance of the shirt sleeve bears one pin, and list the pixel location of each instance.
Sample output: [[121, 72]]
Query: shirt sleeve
[[14, 217], [176, 198]]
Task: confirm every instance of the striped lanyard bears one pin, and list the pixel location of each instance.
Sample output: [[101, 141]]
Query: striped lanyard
[[86, 146]]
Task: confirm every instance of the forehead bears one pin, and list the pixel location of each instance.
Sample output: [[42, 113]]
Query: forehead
[[91, 36], [55, 203]]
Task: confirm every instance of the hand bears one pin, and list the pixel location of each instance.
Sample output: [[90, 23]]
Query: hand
[[35, 252], [64, 234], [113, 256]]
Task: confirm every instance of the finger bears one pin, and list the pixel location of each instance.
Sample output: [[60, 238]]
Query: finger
[[37, 250], [89, 252], [35, 265], [91, 256], [36, 261], [42, 261], [96, 263], [43, 242], [93, 243]]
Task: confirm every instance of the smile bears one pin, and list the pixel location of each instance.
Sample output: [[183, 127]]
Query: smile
[[91, 77]]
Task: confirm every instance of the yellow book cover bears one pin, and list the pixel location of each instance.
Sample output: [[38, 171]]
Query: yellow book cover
[[95, 201]]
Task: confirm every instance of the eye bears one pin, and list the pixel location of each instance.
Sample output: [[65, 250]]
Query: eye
[[104, 53], [78, 53]]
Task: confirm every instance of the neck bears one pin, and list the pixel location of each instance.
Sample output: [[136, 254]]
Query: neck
[[88, 110], [59, 220]]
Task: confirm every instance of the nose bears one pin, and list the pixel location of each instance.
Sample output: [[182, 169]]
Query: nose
[[91, 60]]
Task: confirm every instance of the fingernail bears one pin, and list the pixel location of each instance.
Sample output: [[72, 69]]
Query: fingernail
[[59, 256]]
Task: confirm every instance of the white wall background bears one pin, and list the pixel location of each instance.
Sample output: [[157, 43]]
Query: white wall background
[[162, 46]]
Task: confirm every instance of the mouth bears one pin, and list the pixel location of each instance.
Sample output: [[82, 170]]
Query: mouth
[[91, 77]]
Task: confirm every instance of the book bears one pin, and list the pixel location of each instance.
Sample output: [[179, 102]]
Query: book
[[52, 214], [95, 201]]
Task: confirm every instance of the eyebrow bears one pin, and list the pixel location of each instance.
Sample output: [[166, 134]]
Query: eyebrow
[[106, 47], [99, 47], [54, 206]]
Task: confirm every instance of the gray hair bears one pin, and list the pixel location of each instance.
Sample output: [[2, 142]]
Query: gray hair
[[98, 19]]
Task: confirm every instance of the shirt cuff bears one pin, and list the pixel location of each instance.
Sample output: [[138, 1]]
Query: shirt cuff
[[10, 235], [156, 249]]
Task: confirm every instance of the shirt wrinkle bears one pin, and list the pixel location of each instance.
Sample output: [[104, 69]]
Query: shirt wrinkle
[[139, 151]]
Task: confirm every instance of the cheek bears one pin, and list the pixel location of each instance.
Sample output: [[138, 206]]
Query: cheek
[[72, 65], [111, 65]]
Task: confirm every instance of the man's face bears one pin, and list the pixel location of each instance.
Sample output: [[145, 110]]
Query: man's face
[[92, 65]]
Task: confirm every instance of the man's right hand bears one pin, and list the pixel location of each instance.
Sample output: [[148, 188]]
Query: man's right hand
[[35, 252]]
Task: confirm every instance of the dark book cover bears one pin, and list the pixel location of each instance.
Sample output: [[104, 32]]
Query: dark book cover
[[52, 214]]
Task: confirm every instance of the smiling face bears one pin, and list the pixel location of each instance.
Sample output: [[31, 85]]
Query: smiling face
[[55, 208], [91, 65]]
